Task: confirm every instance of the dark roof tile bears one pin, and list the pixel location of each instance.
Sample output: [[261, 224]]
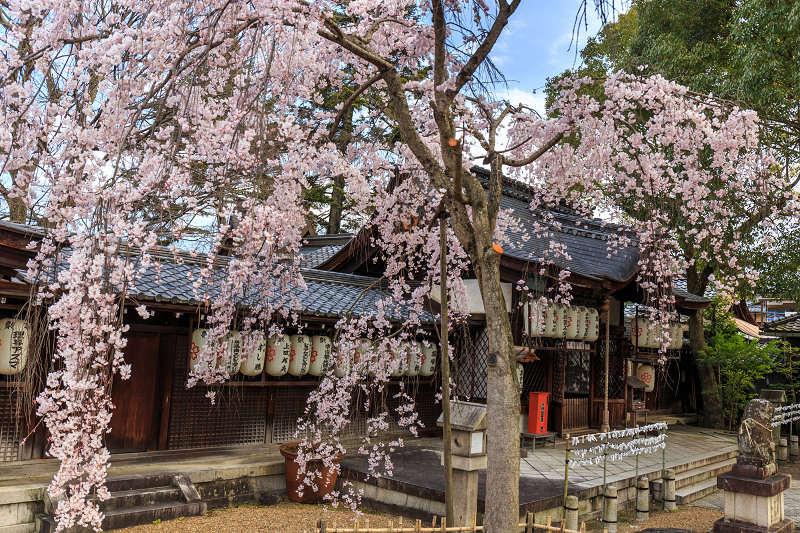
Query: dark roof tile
[[788, 327]]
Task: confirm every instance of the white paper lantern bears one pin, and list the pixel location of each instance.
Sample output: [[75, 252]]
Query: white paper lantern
[[657, 332], [199, 340], [253, 365], [428, 364], [413, 360], [573, 323], [676, 336], [397, 362], [278, 354], [592, 325], [234, 358], [534, 318], [556, 321], [362, 356], [647, 375], [520, 375], [342, 364], [321, 349], [14, 345], [299, 355], [641, 334]]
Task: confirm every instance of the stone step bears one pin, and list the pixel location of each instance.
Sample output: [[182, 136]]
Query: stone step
[[147, 514], [705, 461], [141, 481], [696, 491], [135, 516], [690, 477], [29, 527], [139, 497]]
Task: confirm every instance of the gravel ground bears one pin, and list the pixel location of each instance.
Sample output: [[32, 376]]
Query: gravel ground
[[685, 518], [286, 517]]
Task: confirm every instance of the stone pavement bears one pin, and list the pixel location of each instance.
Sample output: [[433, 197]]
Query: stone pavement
[[418, 470], [684, 445]]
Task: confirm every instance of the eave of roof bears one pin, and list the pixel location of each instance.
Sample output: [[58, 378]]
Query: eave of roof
[[783, 327]]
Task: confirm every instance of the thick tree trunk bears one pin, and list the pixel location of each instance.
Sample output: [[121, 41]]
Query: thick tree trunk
[[343, 138], [17, 210], [696, 283], [712, 409], [337, 206], [502, 402]]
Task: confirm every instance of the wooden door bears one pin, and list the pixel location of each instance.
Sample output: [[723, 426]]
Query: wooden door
[[134, 424]]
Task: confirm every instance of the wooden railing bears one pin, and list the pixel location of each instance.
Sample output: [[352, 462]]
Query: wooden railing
[[529, 526]]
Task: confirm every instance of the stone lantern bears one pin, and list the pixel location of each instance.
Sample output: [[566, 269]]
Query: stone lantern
[[468, 443]]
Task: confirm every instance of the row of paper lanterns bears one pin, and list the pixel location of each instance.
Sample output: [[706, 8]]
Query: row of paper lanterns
[[298, 355], [14, 345], [560, 321], [646, 333]]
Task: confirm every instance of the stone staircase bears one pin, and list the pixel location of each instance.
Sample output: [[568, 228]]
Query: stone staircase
[[698, 478], [141, 499]]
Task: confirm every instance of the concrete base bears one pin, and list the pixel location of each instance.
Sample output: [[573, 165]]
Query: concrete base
[[753, 505], [725, 526], [762, 511], [465, 494]]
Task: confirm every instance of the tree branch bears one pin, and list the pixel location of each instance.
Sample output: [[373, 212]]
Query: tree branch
[[482, 52], [536, 155], [353, 97]]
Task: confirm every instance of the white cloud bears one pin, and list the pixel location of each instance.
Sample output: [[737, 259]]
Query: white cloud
[[558, 48], [517, 96]]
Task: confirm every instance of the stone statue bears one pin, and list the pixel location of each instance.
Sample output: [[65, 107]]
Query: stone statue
[[753, 488], [756, 450]]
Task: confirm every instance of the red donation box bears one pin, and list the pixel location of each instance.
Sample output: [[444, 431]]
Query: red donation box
[[537, 412]]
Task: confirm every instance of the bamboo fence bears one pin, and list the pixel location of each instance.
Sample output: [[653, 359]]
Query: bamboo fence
[[529, 526]]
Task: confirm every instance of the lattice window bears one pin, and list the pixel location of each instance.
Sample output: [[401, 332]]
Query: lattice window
[[9, 425], [616, 369], [290, 404], [668, 379], [239, 415], [470, 363], [534, 377], [577, 373]]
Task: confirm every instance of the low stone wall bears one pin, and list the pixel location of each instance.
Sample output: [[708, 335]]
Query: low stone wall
[[263, 484], [19, 506]]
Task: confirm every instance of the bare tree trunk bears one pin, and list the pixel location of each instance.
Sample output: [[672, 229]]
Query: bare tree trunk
[[502, 402]]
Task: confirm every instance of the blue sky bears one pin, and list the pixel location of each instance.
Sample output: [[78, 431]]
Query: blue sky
[[536, 45]]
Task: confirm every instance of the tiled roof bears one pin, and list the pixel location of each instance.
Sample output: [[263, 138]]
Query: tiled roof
[[681, 288], [27, 229], [314, 242], [327, 294], [586, 241], [786, 327], [314, 258]]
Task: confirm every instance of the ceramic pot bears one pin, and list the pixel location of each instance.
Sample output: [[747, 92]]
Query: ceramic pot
[[325, 482]]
